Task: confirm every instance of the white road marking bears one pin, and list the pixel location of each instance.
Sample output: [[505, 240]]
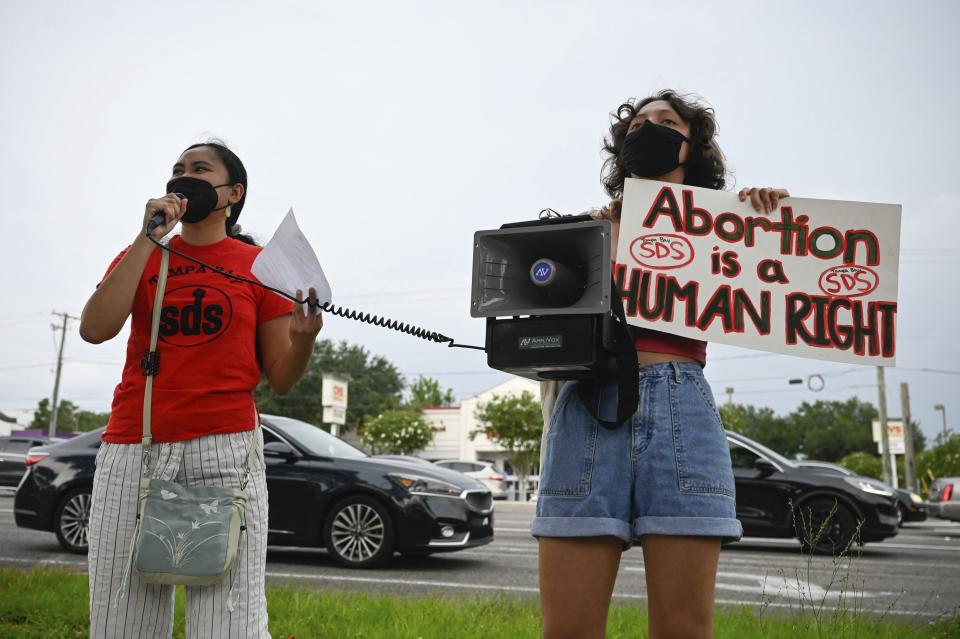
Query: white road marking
[[790, 542], [532, 590], [775, 586], [873, 546]]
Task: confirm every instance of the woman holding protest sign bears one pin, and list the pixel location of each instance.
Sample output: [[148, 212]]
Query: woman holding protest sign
[[664, 477], [193, 428]]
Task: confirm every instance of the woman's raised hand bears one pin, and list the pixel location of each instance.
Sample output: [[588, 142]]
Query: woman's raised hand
[[172, 208], [764, 199], [306, 321]]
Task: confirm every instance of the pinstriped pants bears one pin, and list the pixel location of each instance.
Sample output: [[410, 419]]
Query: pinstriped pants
[[147, 610]]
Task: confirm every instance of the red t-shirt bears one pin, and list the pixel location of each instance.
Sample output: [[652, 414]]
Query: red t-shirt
[[207, 344]]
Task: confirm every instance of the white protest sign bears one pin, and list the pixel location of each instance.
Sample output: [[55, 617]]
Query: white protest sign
[[815, 278], [288, 262]]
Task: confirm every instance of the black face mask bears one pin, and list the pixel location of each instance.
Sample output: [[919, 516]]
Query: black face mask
[[201, 197], [652, 150]]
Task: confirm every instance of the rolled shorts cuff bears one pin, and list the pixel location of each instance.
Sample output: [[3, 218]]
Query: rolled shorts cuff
[[727, 529], [581, 527]]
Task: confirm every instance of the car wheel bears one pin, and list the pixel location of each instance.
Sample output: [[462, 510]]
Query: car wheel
[[901, 514], [359, 533], [825, 526], [72, 518]]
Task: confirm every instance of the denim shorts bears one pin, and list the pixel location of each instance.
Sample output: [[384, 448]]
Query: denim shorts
[[665, 471]]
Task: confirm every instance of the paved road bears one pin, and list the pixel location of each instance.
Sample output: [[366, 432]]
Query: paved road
[[914, 575]]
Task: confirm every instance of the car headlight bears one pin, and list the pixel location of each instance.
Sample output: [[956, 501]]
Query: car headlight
[[915, 498], [869, 486], [419, 485]]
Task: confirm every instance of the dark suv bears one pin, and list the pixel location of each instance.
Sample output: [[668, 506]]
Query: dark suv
[[827, 513]]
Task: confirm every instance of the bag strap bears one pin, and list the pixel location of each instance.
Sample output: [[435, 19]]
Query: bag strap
[[251, 452], [628, 377], [150, 364]]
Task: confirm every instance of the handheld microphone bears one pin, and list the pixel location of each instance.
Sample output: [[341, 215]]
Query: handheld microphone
[[159, 218]]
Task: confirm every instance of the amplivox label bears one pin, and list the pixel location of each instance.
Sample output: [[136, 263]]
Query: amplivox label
[[543, 341]]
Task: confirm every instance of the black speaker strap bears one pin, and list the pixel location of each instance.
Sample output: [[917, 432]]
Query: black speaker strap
[[628, 373]]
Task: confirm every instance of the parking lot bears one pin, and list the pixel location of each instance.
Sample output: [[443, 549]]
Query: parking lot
[[913, 575]]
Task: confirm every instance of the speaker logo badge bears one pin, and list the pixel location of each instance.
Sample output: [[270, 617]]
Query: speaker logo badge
[[542, 272], [542, 341]]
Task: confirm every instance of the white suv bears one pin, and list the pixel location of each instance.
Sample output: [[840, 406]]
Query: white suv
[[484, 471]]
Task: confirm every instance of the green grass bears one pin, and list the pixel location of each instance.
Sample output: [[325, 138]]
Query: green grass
[[44, 603]]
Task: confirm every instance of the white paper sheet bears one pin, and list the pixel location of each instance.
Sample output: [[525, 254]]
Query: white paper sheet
[[288, 262]]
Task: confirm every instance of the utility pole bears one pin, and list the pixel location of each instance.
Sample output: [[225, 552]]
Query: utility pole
[[909, 469], [56, 383], [943, 411], [884, 436]]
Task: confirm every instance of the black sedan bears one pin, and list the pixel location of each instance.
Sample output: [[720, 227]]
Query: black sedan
[[323, 493], [910, 505], [827, 513]]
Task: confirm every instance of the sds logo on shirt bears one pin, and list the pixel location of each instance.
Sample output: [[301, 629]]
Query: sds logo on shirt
[[194, 315]]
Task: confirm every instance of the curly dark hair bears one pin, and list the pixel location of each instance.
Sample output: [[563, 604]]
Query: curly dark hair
[[705, 164]]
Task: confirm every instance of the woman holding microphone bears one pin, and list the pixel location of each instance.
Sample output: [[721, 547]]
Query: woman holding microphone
[[216, 337]]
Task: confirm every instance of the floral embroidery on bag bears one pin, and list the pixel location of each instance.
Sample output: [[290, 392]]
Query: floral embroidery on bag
[[181, 545]]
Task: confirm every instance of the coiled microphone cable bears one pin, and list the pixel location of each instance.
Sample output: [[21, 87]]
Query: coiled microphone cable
[[339, 311]]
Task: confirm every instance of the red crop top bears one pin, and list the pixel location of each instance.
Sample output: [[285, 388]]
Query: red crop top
[[653, 341]]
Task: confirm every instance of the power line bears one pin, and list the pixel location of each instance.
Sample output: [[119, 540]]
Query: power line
[[938, 371], [24, 366]]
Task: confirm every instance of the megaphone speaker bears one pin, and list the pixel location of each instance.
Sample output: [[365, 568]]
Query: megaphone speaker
[[549, 267]]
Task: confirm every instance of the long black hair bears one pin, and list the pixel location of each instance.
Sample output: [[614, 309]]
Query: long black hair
[[238, 174]]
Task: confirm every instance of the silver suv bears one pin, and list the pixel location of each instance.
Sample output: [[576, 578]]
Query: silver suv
[[485, 471]]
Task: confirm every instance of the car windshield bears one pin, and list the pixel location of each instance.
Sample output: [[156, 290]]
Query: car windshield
[[763, 450], [315, 440]]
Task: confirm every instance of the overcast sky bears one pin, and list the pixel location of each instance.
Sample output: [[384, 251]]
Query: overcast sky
[[397, 129]]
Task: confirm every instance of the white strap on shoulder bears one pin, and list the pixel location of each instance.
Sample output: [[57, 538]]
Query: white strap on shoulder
[[154, 333]]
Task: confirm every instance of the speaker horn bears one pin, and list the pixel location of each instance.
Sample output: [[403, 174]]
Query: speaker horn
[[558, 266]]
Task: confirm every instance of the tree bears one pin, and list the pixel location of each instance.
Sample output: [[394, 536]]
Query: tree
[[89, 420], [69, 418], [426, 392], [862, 463], [762, 425], [831, 430], [66, 419], [400, 431], [515, 423], [375, 387], [942, 460]]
